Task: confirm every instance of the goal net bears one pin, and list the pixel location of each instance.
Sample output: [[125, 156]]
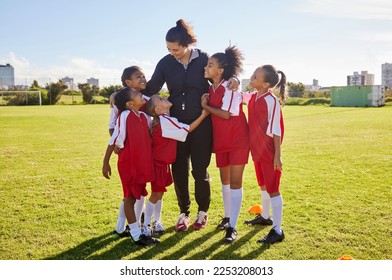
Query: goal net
[[20, 97]]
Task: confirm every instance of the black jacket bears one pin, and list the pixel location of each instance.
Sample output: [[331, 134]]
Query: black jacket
[[185, 86]]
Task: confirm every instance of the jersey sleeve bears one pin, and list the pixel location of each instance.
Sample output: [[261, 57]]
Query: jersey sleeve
[[231, 102], [173, 129], [274, 124], [113, 116], [120, 130]]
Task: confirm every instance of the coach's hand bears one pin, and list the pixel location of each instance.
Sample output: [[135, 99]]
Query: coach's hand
[[106, 170]]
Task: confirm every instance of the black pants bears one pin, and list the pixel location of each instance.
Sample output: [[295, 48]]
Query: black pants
[[197, 150]]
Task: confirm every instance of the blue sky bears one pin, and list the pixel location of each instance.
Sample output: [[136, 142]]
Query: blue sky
[[307, 39]]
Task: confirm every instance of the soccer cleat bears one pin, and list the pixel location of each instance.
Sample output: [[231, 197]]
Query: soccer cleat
[[259, 220], [145, 240], [158, 228], [146, 230], [182, 223], [224, 224], [201, 221], [272, 237], [125, 233], [231, 235]]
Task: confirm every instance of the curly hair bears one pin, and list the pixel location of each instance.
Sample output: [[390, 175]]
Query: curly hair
[[230, 61]]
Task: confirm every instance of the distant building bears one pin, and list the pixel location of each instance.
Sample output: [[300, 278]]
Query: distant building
[[314, 87], [386, 75], [362, 79], [7, 78], [69, 82], [93, 82]]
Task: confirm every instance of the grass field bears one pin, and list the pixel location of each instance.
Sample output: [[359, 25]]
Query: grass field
[[336, 186]]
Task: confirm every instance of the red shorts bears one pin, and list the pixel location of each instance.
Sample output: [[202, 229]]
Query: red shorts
[[134, 190], [267, 176], [238, 157], [163, 178]]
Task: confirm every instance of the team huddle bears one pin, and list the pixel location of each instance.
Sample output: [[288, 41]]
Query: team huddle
[[158, 141]]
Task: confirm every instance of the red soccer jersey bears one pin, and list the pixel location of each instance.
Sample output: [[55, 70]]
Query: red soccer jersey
[[264, 119], [135, 164], [164, 138], [231, 134]]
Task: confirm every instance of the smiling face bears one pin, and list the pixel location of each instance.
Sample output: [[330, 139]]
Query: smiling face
[[136, 100], [162, 105], [213, 70], [137, 81], [177, 51], [257, 81]]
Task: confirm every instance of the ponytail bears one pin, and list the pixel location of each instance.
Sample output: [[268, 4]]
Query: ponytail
[[271, 76], [230, 61], [182, 34], [282, 86]]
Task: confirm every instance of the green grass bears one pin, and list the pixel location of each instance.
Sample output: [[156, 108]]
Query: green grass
[[336, 188]]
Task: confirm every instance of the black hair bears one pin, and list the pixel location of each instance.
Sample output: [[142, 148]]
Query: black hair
[[122, 97], [150, 110], [128, 72], [230, 61], [271, 76], [182, 34]]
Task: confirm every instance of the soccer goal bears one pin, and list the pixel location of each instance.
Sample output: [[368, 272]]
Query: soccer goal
[[20, 97]]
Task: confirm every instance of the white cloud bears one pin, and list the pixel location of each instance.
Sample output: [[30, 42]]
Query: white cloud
[[357, 9]]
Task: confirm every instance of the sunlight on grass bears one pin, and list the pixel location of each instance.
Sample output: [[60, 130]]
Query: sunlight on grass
[[336, 188]]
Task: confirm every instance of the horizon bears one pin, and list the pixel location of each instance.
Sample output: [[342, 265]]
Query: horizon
[[324, 40]]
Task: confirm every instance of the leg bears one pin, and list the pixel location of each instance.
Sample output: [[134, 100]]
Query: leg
[[200, 148], [180, 170]]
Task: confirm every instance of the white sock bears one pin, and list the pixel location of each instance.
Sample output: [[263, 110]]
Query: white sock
[[266, 204], [277, 213], [226, 199], [135, 230], [148, 213], [236, 202], [158, 210], [139, 206], [121, 219]]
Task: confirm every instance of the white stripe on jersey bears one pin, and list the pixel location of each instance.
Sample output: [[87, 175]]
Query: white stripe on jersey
[[173, 129]]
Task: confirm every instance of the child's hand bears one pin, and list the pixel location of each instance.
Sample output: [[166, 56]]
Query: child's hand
[[117, 150], [232, 84], [278, 163], [204, 99], [106, 170]]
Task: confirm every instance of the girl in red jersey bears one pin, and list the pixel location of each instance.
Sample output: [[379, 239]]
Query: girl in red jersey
[[266, 131], [230, 133], [134, 78], [165, 132], [134, 164]]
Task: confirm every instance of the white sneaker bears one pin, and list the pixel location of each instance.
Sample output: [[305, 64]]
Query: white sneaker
[[158, 228], [146, 230]]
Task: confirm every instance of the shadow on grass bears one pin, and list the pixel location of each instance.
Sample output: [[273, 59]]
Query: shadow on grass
[[84, 250], [90, 248]]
